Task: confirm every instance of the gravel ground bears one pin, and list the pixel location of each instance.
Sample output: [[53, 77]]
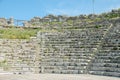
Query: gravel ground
[[55, 77]]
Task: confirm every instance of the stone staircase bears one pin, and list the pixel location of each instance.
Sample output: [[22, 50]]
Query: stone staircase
[[107, 60]]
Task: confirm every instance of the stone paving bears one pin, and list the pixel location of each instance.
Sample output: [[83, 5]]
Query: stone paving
[[55, 77]]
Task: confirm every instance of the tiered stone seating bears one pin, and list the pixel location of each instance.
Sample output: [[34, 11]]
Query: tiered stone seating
[[107, 60], [93, 49], [19, 56], [69, 51]]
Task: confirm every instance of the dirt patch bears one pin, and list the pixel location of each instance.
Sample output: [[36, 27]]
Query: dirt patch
[[55, 77]]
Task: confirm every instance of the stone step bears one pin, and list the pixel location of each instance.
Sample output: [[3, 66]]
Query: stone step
[[105, 73], [107, 69], [106, 65]]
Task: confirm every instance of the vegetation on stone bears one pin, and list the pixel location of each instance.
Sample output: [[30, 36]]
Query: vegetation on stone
[[17, 33]]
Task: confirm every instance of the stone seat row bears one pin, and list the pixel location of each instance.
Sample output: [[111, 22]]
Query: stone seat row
[[106, 65], [106, 61], [107, 69], [65, 71], [103, 73]]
